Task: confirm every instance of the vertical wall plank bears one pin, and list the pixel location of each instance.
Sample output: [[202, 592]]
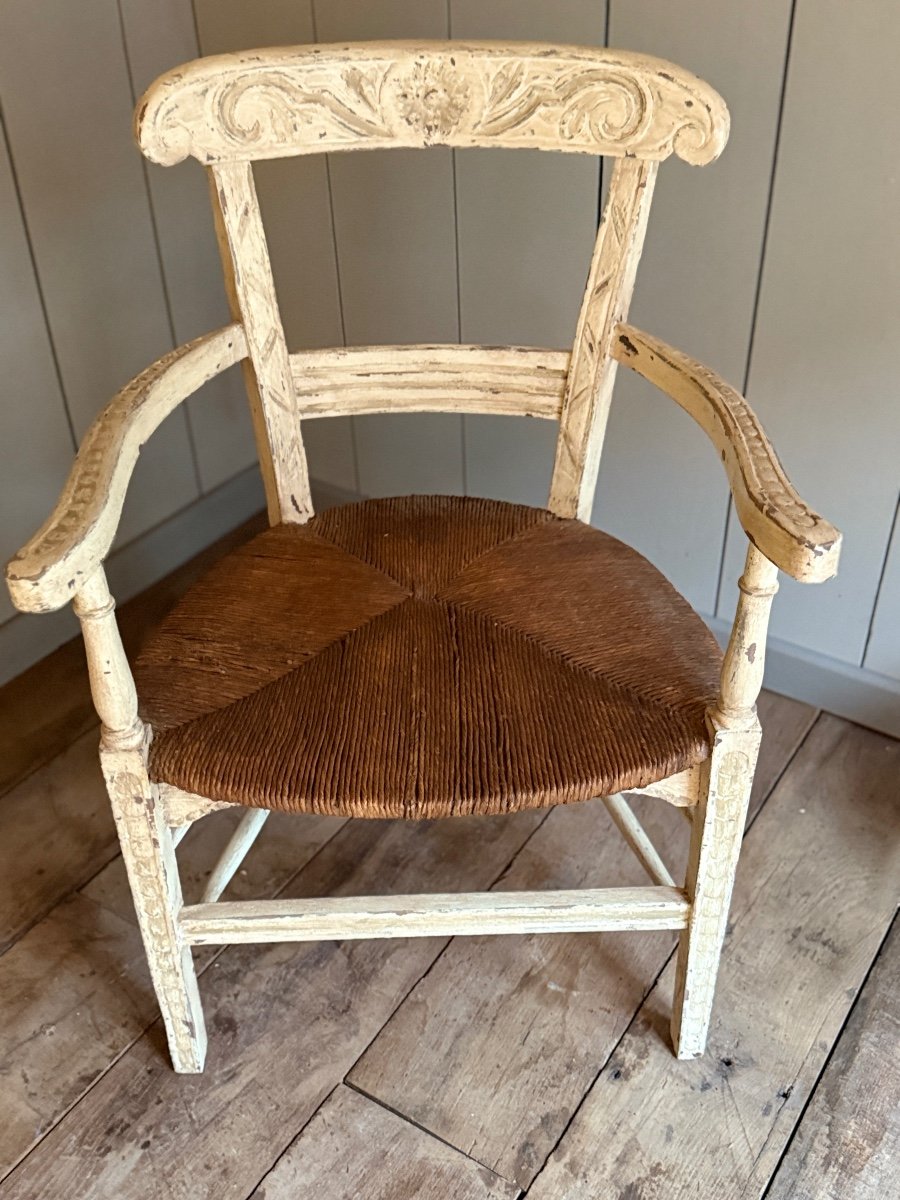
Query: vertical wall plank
[[295, 203], [35, 442], [527, 221], [396, 241], [883, 650], [89, 217], [158, 36], [824, 369], [661, 487]]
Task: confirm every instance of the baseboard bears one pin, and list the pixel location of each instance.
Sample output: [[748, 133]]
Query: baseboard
[[862, 696]]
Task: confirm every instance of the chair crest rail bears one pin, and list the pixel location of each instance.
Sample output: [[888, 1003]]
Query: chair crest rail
[[309, 99]]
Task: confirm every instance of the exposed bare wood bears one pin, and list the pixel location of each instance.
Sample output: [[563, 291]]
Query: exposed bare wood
[[310, 99], [509, 380], [72, 543], [637, 838], [183, 808], [816, 890], [447, 915], [248, 830], [774, 517], [847, 1146], [353, 1147], [682, 790], [592, 371], [269, 1009]]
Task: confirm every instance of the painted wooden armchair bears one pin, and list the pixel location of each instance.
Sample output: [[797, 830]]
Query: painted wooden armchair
[[426, 656]]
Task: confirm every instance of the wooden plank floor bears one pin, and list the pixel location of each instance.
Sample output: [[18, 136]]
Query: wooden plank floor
[[474, 1068]]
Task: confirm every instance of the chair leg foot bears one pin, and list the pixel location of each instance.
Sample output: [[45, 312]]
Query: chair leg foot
[[149, 853], [718, 828]]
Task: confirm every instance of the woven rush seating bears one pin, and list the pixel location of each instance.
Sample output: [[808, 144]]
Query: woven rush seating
[[427, 656]]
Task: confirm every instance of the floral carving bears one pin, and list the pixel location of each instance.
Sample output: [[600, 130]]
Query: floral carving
[[432, 98]]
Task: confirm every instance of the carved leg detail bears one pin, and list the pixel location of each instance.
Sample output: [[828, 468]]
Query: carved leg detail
[[149, 852], [715, 845]]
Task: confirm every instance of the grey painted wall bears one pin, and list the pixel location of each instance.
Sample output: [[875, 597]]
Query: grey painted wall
[[777, 265]]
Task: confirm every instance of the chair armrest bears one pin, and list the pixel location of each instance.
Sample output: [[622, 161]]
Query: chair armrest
[[774, 517], [72, 543]]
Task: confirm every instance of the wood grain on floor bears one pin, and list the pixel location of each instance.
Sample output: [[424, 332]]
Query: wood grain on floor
[[471, 1068]]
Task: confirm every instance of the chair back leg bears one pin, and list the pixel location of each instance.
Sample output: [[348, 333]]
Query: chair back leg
[[148, 849]]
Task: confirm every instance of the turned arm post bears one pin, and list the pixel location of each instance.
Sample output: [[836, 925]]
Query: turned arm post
[[112, 684], [744, 663]]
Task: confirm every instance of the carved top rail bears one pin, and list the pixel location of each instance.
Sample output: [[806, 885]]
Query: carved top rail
[[307, 99], [510, 380]]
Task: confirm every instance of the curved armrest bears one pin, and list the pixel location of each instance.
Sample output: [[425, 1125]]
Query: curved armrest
[[774, 517], [76, 538]]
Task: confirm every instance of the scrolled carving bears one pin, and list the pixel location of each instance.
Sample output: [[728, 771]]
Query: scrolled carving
[[307, 99]]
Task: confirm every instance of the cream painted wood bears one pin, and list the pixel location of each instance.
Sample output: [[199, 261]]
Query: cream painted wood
[[772, 514], [89, 222], [145, 837], [307, 100], [295, 201], [156, 36], [448, 915], [514, 380], [638, 839], [696, 286], [823, 373], [71, 544], [184, 808], [718, 824], [145, 815], [592, 371], [270, 387], [682, 790], [149, 853], [240, 842], [35, 439]]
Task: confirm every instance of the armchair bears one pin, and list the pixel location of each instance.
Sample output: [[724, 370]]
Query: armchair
[[426, 656]]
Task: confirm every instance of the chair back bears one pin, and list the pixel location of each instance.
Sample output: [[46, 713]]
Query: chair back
[[230, 110]]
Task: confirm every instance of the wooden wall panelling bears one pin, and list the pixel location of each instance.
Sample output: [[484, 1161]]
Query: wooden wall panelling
[[296, 208], [67, 103], [661, 487], [396, 243], [823, 374], [527, 222], [159, 36], [883, 649], [35, 441]]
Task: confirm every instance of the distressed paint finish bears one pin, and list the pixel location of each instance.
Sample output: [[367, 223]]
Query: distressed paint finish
[[270, 386], [75, 539], [310, 99], [234, 108], [593, 369]]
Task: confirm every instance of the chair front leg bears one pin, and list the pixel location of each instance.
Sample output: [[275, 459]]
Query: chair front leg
[[715, 846], [718, 822], [148, 849], [146, 839]]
